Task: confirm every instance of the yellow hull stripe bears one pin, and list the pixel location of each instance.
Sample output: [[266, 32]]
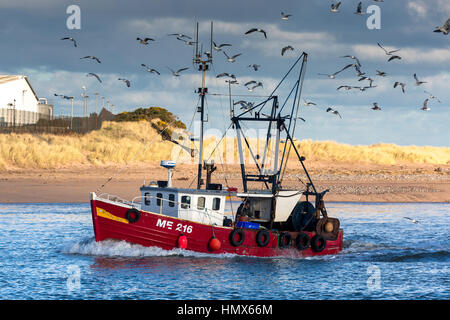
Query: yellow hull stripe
[[105, 214]]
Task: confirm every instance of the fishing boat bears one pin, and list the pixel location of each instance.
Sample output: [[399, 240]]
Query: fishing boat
[[271, 221]]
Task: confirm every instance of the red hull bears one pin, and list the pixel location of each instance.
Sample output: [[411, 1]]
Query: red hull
[[163, 231]]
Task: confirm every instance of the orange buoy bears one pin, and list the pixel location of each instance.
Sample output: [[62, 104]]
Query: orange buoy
[[182, 241], [214, 244]]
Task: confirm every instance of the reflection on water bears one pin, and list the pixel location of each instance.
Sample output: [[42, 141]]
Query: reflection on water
[[41, 242]]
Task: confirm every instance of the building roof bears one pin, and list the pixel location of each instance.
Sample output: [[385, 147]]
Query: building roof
[[9, 78]]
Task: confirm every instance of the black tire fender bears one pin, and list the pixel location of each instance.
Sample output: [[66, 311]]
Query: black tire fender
[[133, 215], [302, 242], [318, 243], [241, 235], [262, 238], [285, 240]]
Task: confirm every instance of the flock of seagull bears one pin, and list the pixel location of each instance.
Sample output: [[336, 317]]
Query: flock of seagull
[[251, 85]]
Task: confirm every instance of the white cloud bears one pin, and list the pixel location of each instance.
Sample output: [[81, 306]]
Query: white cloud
[[409, 55]]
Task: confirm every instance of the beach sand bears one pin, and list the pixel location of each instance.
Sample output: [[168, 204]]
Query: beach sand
[[347, 182]]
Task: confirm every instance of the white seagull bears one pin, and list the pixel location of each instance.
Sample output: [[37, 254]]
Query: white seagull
[[219, 47], [418, 83], [412, 220], [425, 106], [233, 58], [334, 112], [127, 82], [286, 48], [335, 7], [445, 29], [254, 66], [432, 96], [332, 76], [177, 73], [400, 84], [150, 69], [94, 75], [71, 39], [92, 58], [285, 16], [258, 30]]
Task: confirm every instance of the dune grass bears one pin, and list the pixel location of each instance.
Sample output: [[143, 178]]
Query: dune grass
[[137, 142]]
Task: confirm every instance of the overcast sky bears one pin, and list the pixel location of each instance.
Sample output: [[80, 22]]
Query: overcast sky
[[30, 33]]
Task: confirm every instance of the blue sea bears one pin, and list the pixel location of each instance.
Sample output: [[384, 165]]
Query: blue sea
[[48, 251]]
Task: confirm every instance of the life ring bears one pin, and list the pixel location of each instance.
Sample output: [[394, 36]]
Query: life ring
[[302, 241], [318, 243], [241, 235], [262, 238], [285, 239], [133, 215]]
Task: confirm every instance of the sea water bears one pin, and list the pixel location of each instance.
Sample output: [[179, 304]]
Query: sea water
[[48, 251]]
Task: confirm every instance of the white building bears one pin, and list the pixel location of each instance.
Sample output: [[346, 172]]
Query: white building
[[19, 103]]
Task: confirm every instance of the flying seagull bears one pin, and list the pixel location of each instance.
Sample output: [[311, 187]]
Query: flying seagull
[[257, 84], [344, 87], [150, 69], [219, 47], [286, 48], [186, 42], [332, 76], [308, 103], [258, 30], [412, 220], [92, 58], [335, 7], [375, 106], [432, 96], [177, 73], [359, 9], [400, 84], [63, 96], [334, 112], [381, 73], [389, 53], [394, 57], [145, 40], [226, 74], [125, 81], [445, 29], [354, 58], [285, 16], [418, 83], [232, 59], [179, 35], [94, 75], [254, 66], [71, 39], [425, 106]]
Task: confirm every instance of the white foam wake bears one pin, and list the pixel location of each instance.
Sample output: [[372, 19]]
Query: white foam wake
[[120, 248]]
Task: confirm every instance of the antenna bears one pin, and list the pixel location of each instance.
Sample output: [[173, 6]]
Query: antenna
[[211, 43]]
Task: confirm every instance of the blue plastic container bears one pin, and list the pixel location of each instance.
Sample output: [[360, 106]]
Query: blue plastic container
[[247, 225]]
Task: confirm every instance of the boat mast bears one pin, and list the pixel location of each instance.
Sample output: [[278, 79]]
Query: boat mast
[[203, 65]]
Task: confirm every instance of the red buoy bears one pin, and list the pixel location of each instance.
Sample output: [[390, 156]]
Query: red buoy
[[182, 241], [214, 244]]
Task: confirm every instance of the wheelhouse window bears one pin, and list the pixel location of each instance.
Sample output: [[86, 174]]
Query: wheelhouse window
[[185, 202], [147, 199], [171, 200], [159, 199], [216, 204], [201, 203]]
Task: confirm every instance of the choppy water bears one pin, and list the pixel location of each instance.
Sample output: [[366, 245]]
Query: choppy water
[[47, 251]]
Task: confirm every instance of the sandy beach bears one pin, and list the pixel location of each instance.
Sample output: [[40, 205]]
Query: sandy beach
[[347, 182]]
